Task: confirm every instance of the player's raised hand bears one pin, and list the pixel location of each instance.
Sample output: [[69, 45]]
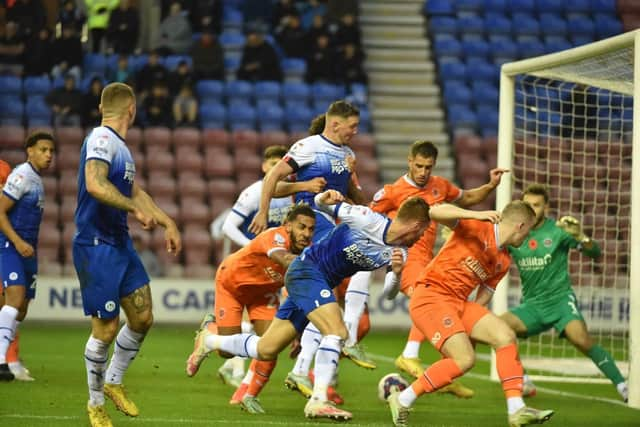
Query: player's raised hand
[[259, 223], [397, 261], [331, 197], [572, 226], [495, 175], [173, 240], [490, 216], [144, 218], [24, 249], [316, 185]]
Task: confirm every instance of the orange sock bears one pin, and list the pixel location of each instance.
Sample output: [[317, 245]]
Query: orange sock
[[415, 334], [261, 374], [438, 375], [364, 325], [510, 370], [14, 349]]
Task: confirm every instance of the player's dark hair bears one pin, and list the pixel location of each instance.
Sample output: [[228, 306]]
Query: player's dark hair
[[317, 124], [425, 149], [538, 190], [518, 209], [414, 208], [274, 151], [299, 209], [343, 109], [36, 136]]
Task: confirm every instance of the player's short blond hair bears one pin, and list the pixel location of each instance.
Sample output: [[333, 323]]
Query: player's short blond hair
[[116, 98], [518, 211], [343, 109], [413, 209]]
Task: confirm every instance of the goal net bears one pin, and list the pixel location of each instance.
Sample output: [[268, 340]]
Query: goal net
[[566, 121]]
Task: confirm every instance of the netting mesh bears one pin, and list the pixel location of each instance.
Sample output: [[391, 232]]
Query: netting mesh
[[572, 132]]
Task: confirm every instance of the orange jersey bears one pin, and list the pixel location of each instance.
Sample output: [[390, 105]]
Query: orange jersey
[[251, 265], [469, 258], [5, 170], [438, 190]]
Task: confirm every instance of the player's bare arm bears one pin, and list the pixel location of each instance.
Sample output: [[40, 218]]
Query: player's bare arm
[[476, 195], [285, 188], [328, 198], [354, 192], [277, 173], [397, 261], [484, 295], [23, 248], [282, 257], [447, 214], [171, 235]]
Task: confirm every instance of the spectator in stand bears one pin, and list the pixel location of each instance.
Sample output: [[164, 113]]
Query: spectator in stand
[[157, 106], [124, 28], [91, 115], [153, 72], [321, 61], [29, 15], [258, 15], [348, 32], [291, 37], [98, 12], [206, 15], [174, 33], [309, 10], [181, 76], [71, 15], [67, 54], [122, 73], [185, 107], [282, 10], [336, 9], [349, 66], [66, 103], [37, 54], [11, 49], [317, 29], [259, 60], [208, 57]]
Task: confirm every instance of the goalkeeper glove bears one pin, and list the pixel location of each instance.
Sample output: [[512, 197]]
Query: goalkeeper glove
[[572, 227]]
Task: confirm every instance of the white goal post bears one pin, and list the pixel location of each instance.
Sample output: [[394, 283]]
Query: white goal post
[[566, 121]]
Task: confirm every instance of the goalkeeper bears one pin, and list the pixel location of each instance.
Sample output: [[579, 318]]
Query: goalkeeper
[[547, 297]]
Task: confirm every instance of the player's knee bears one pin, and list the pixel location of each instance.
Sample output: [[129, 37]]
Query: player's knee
[[506, 336], [142, 322], [267, 352], [465, 361]]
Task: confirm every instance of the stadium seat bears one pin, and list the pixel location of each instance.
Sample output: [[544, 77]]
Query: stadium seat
[[68, 204], [553, 25], [239, 89], [162, 185], [188, 160], [327, 92], [267, 90], [222, 188], [231, 65], [218, 164], [134, 138], [363, 144], [443, 25], [481, 69], [488, 120], [475, 48], [69, 158], [241, 117], [293, 69], [472, 24], [484, 94], [40, 85], [461, 116], [232, 19], [11, 110], [438, 7], [530, 48], [94, 63], [453, 70], [194, 211], [503, 50], [275, 137], [296, 91], [160, 161], [10, 85], [497, 24], [248, 162], [215, 138], [549, 6], [70, 136], [248, 177], [556, 45], [525, 24], [298, 119], [606, 26], [171, 62], [157, 138], [210, 90], [192, 186], [496, 6], [50, 184], [136, 62], [270, 118], [572, 7], [245, 139], [213, 115], [445, 46], [231, 40], [581, 26], [522, 6], [68, 183], [186, 137], [456, 93], [469, 6]]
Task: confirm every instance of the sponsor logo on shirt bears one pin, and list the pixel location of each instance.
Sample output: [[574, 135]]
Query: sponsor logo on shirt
[[547, 242], [339, 166], [355, 256], [109, 306], [534, 263], [129, 172], [279, 239], [475, 267], [101, 145], [14, 184]]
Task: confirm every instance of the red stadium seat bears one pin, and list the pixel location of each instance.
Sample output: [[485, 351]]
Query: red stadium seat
[[192, 186], [246, 178], [245, 139], [160, 161], [222, 188], [50, 184], [187, 137], [220, 205], [274, 137], [157, 139], [216, 138], [68, 157], [247, 161], [134, 138], [162, 186], [68, 232], [468, 144], [68, 205], [363, 144], [12, 137], [217, 165], [188, 158], [13, 156], [193, 211], [296, 136], [68, 183], [51, 213], [70, 136]]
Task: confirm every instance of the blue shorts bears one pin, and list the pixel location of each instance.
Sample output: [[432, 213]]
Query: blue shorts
[[308, 289], [107, 274], [15, 270], [322, 228]]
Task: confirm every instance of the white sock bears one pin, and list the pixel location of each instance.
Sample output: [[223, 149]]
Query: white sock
[[514, 404], [623, 390], [8, 327], [128, 344], [309, 342], [248, 377], [526, 379], [407, 397], [237, 366], [247, 327], [354, 303], [245, 345], [327, 358], [96, 353], [411, 350]]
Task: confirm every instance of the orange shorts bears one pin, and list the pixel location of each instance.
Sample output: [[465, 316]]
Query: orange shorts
[[340, 291], [410, 273], [439, 315], [261, 302]]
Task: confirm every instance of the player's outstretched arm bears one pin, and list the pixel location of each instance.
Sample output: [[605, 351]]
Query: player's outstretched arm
[[171, 235], [573, 227], [277, 173], [448, 215], [286, 188], [231, 229], [476, 195]]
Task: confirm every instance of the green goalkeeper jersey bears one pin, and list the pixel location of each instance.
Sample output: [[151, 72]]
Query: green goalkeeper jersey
[[542, 262]]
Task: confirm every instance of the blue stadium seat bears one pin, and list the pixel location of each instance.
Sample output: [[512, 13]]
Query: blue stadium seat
[[453, 70], [172, 61], [86, 81], [456, 93], [298, 118], [488, 120], [231, 65], [481, 69], [577, 7], [581, 26], [497, 23], [549, 6], [525, 24], [294, 69], [11, 110], [270, 117], [210, 90], [606, 25], [241, 117], [581, 39], [475, 48], [327, 92], [267, 90], [365, 120], [530, 48], [213, 115], [358, 93], [503, 49], [295, 103], [443, 25], [603, 6], [471, 24], [239, 89], [36, 85], [231, 41], [553, 24], [522, 6], [438, 7], [296, 91], [232, 18], [461, 116], [136, 62], [469, 6], [499, 6], [557, 45], [447, 47], [484, 94], [94, 63], [37, 111], [10, 85]]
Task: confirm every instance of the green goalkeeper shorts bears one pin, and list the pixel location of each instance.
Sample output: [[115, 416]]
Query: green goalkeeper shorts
[[556, 314]]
